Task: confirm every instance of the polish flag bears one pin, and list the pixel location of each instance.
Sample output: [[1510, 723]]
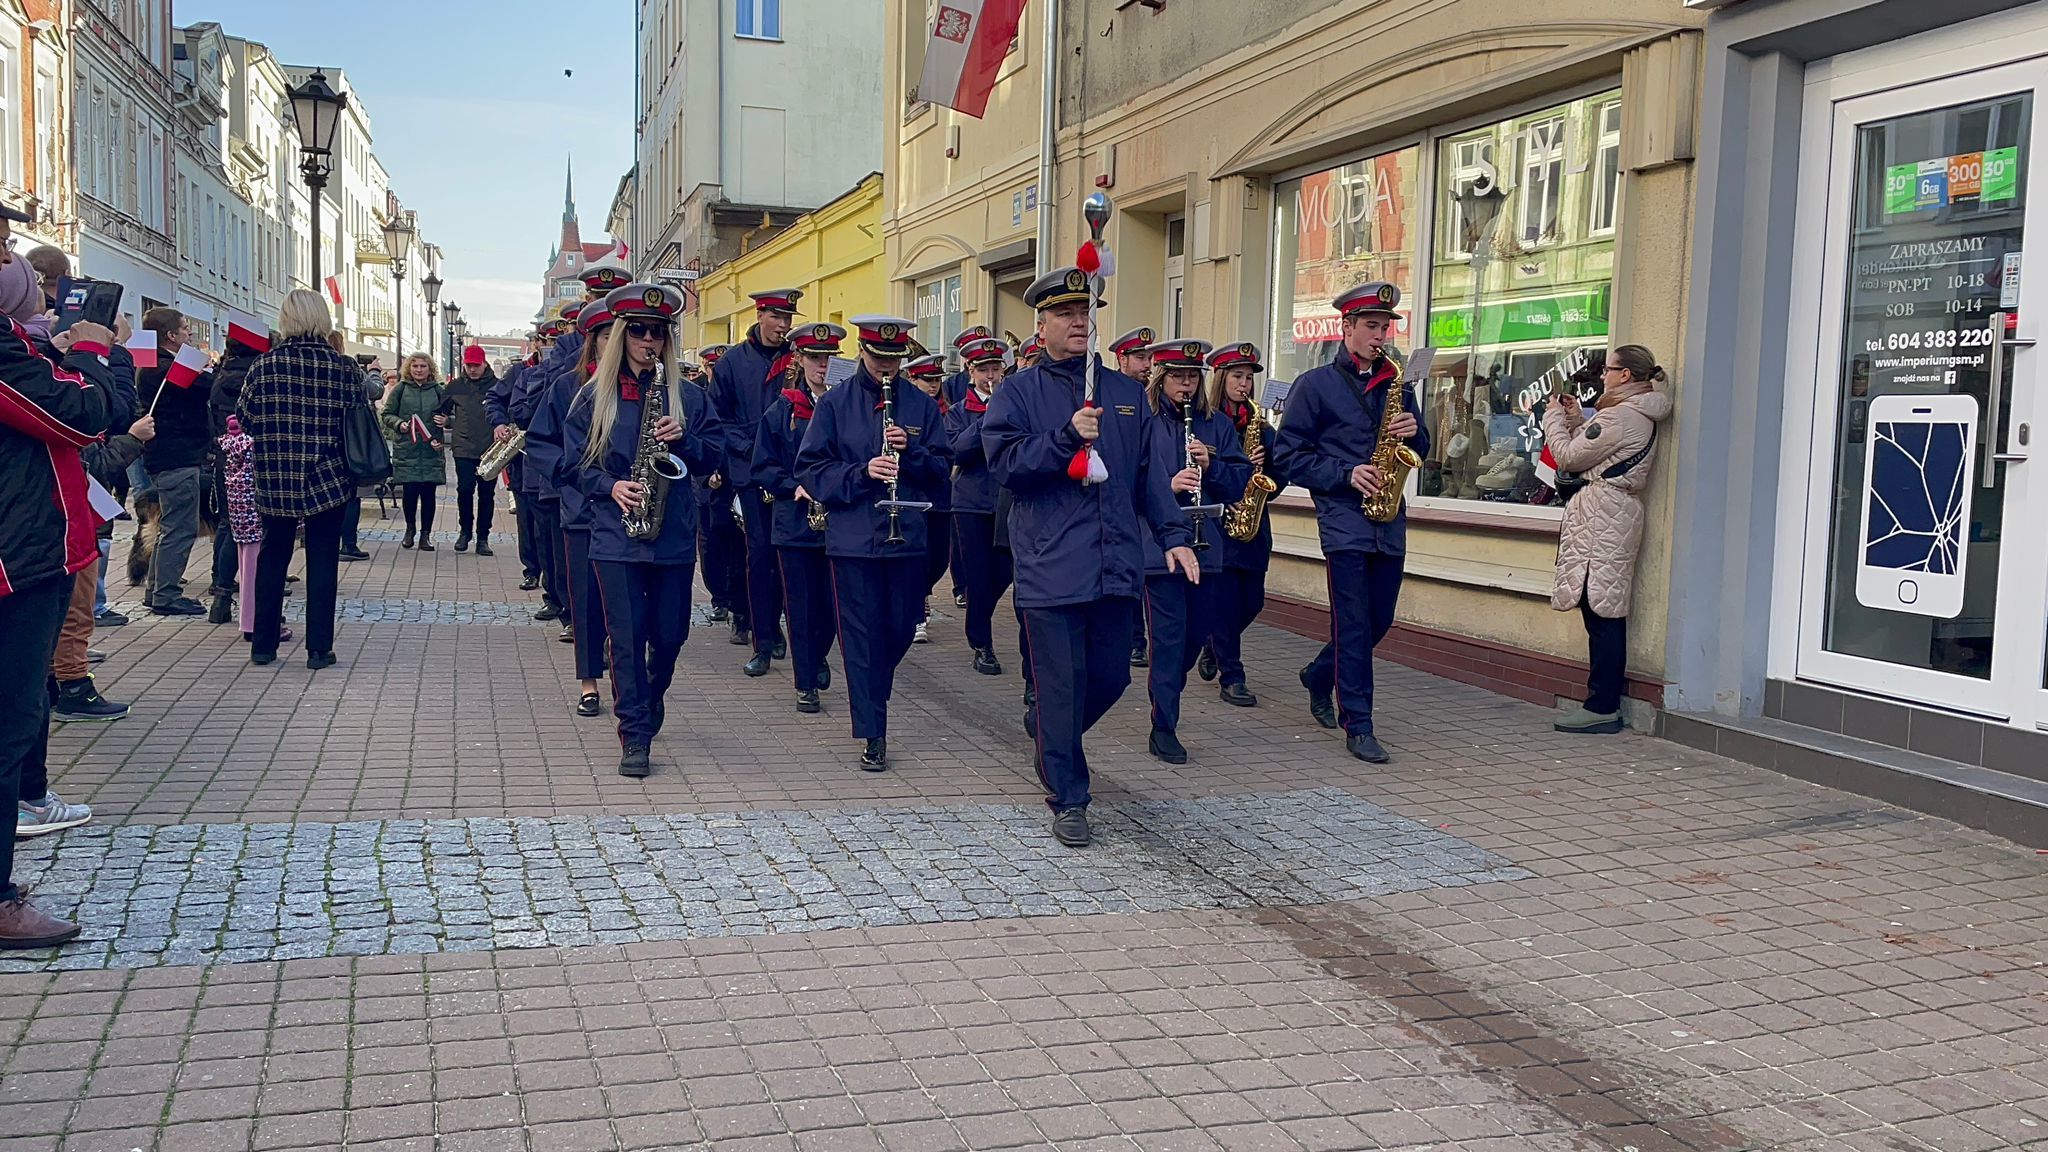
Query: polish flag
[[188, 367], [142, 346], [969, 40], [247, 331], [334, 290]]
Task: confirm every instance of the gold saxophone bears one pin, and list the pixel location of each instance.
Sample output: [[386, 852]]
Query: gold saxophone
[[1394, 459], [498, 456], [654, 466], [1242, 519]]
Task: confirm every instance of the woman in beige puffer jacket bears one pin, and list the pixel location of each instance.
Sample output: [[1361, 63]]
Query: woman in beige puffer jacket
[[1603, 524]]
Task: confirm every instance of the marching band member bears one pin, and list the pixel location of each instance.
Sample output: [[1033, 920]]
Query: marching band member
[[984, 568], [864, 449], [1240, 592], [1203, 442], [1133, 352], [546, 450], [744, 382], [1079, 545], [534, 483], [643, 580], [722, 548], [929, 374], [498, 405], [1324, 446], [800, 550], [1029, 352], [957, 383]]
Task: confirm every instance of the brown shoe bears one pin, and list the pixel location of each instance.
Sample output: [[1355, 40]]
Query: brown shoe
[[23, 925]]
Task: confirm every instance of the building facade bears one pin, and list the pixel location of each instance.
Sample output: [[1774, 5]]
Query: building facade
[[1525, 180], [834, 255], [122, 145], [561, 285], [752, 112], [215, 225], [1860, 497], [262, 160], [35, 155]]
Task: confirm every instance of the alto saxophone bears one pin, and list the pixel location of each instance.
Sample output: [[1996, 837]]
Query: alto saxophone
[[1242, 519], [1394, 459], [499, 455], [654, 466]]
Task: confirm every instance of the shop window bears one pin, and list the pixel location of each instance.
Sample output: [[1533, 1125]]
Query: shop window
[[940, 313], [1333, 230], [1607, 169], [1542, 179]]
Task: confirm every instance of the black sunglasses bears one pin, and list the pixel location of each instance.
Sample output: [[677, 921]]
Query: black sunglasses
[[640, 331]]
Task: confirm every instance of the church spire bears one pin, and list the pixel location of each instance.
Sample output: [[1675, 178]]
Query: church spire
[[569, 190], [571, 244]]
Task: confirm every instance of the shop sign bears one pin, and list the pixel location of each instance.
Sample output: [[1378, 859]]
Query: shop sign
[[1971, 177], [1553, 318]]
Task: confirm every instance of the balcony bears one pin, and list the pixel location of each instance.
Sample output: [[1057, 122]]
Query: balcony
[[371, 252], [374, 322]]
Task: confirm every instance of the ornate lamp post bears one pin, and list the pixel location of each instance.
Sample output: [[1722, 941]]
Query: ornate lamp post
[[316, 109], [430, 286], [398, 234]]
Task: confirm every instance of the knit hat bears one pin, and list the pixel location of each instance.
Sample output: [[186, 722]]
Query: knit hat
[[21, 294]]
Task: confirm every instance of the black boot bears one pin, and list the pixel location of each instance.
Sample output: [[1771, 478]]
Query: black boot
[[407, 542], [807, 702], [985, 662], [1166, 746], [1366, 748], [483, 545], [223, 609], [548, 611], [876, 756], [781, 650], [1140, 656], [1239, 695], [634, 762], [759, 665], [824, 677], [462, 540], [1205, 664], [739, 630]]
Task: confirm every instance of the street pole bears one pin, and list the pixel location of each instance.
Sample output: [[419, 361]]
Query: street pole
[[398, 307]]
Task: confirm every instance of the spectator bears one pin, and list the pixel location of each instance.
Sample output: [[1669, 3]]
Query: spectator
[[175, 460], [48, 414], [293, 404], [469, 435], [1612, 454], [414, 421], [244, 344], [52, 266], [373, 391], [243, 523]]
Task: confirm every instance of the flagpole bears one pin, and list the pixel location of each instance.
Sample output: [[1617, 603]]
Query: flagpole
[[1048, 59]]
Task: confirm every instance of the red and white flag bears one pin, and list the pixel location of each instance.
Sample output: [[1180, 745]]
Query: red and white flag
[[334, 290], [247, 331], [969, 40], [188, 367], [142, 346]]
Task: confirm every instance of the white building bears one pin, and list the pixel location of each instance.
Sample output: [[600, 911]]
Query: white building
[[35, 148], [752, 111], [214, 219], [121, 148], [263, 150]]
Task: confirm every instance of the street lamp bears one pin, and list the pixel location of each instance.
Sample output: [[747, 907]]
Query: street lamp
[[316, 110], [1479, 209], [448, 312], [398, 234], [430, 286]]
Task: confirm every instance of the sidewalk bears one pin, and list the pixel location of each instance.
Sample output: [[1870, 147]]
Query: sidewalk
[[407, 903]]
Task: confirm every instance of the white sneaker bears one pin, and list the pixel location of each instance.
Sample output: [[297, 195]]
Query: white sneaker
[[50, 814], [921, 637]]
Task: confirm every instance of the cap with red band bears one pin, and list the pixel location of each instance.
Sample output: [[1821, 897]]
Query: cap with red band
[[1180, 354], [1136, 340], [985, 351], [926, 368], [777, 300], [809, 338], [978, 332], [885, 335], [1244, 355]]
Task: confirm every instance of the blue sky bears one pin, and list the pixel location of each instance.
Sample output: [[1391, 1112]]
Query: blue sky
[[474, 120]]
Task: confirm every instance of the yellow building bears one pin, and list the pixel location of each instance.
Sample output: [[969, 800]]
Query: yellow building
[[834, 254], [1268, 154]]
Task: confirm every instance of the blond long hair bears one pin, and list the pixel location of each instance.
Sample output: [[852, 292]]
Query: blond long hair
[[604, 389], [405, 369]]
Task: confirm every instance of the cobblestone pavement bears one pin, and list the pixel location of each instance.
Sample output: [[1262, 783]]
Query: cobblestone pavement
[[1507, 939]]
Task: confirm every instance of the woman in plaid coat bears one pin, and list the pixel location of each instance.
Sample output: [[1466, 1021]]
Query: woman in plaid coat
[[293, 403]]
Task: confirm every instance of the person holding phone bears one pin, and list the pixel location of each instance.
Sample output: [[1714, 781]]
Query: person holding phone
[[416, 424], [1612, 452]]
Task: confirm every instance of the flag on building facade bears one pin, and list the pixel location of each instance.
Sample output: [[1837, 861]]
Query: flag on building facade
[[334, 290], [969, 40]]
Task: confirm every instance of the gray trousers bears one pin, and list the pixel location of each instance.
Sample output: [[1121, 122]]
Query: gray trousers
[[179, 492]]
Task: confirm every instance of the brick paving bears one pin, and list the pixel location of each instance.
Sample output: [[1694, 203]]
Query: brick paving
[[1650, 948]]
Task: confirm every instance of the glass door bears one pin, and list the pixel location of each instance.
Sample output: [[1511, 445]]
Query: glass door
[[1926, 574]]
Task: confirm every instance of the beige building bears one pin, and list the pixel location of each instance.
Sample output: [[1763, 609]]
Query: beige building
[[1269, 154]]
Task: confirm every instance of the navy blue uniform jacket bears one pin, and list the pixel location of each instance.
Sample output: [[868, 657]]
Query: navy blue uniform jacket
[[832, 464], [956, 388], [1222, 482], [700, 447], [543, 441], [498, 401], [744, 382], [974, 488], [1076, 543], [1331, 424], [545, 452], [776, 443]]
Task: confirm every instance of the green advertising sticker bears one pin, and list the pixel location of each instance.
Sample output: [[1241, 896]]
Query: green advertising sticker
[[1899, 183], [2001, 175]]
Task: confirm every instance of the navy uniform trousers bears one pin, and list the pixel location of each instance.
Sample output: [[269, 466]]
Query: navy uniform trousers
[[1238, 596], [724, 552], [647, 614], [1364, 587], [547, 549], [1080, 661], [877, 604], [985, 574], [585, 607], [938, 526], [529, 532], [763, 583], [1181, 615], [807, 594]]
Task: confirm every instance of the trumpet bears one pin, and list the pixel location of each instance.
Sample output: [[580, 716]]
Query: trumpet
[[895, 504]]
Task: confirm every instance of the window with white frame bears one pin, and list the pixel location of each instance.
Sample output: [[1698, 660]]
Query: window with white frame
[[10, 113], [1606, 168], [47, 141], [1471, 170], [758, 19], [1542, 179]]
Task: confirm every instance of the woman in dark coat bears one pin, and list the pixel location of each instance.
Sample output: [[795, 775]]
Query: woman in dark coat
[[293, 403], [415, 419]]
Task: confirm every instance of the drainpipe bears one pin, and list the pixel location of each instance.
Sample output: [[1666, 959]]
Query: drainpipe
[[1047, 136]]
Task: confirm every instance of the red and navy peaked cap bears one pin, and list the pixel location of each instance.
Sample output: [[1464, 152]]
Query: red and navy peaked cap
[[823, 338], [594, 316], [710, 353], [986, 350], [1031, 347], [926, 368], [1180, 354], [1244, 355], [969, 336], [606, 273], [777, 300], [1378, 298], [1133, 341], [885, 335], [656, 302]]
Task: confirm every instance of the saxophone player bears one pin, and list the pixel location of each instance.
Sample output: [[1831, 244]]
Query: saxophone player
[[876, 457], [643, 580], [1330, 435], [800, 548], [1240, 583]]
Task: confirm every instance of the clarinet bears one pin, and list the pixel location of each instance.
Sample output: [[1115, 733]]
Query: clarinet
[[1198, 512], [895, 504]]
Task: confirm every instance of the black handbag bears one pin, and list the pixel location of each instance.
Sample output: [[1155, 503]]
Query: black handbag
[[363, 447], [1570, 484]]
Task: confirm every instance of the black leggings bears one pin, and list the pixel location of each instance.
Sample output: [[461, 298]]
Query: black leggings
[[1607, 654], [420, 496]]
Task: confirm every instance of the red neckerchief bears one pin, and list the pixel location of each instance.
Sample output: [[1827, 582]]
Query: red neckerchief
[[1240, 414], [973, 403], [779, 367], [801, 405], [629, 388], [1383, 371]]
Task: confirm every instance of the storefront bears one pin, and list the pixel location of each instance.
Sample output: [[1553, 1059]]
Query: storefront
[[1878, 543]]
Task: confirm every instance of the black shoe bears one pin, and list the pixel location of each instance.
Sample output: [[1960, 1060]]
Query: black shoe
[[824, 677], [959, 599], [1239, 695], [739, 632], [1363, 746], [223, 609], [985, 662], [407, 542], [1320, 705], [79, 700], [354, 554], [875, 757], [759, 665], [781, 650], [807, 702], [318, 660], [462, 541], [426, 545], [1140, 657], [568, 635], [528, 583], [95, 656], [109, 619], [259, 659], [179, 607], [483, 546], [719, 615], [1205, 665], [634, 763], [1031, 720], [1071, 828], [1166, 746], [1031, 696], [548, 611], [587, 705]]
